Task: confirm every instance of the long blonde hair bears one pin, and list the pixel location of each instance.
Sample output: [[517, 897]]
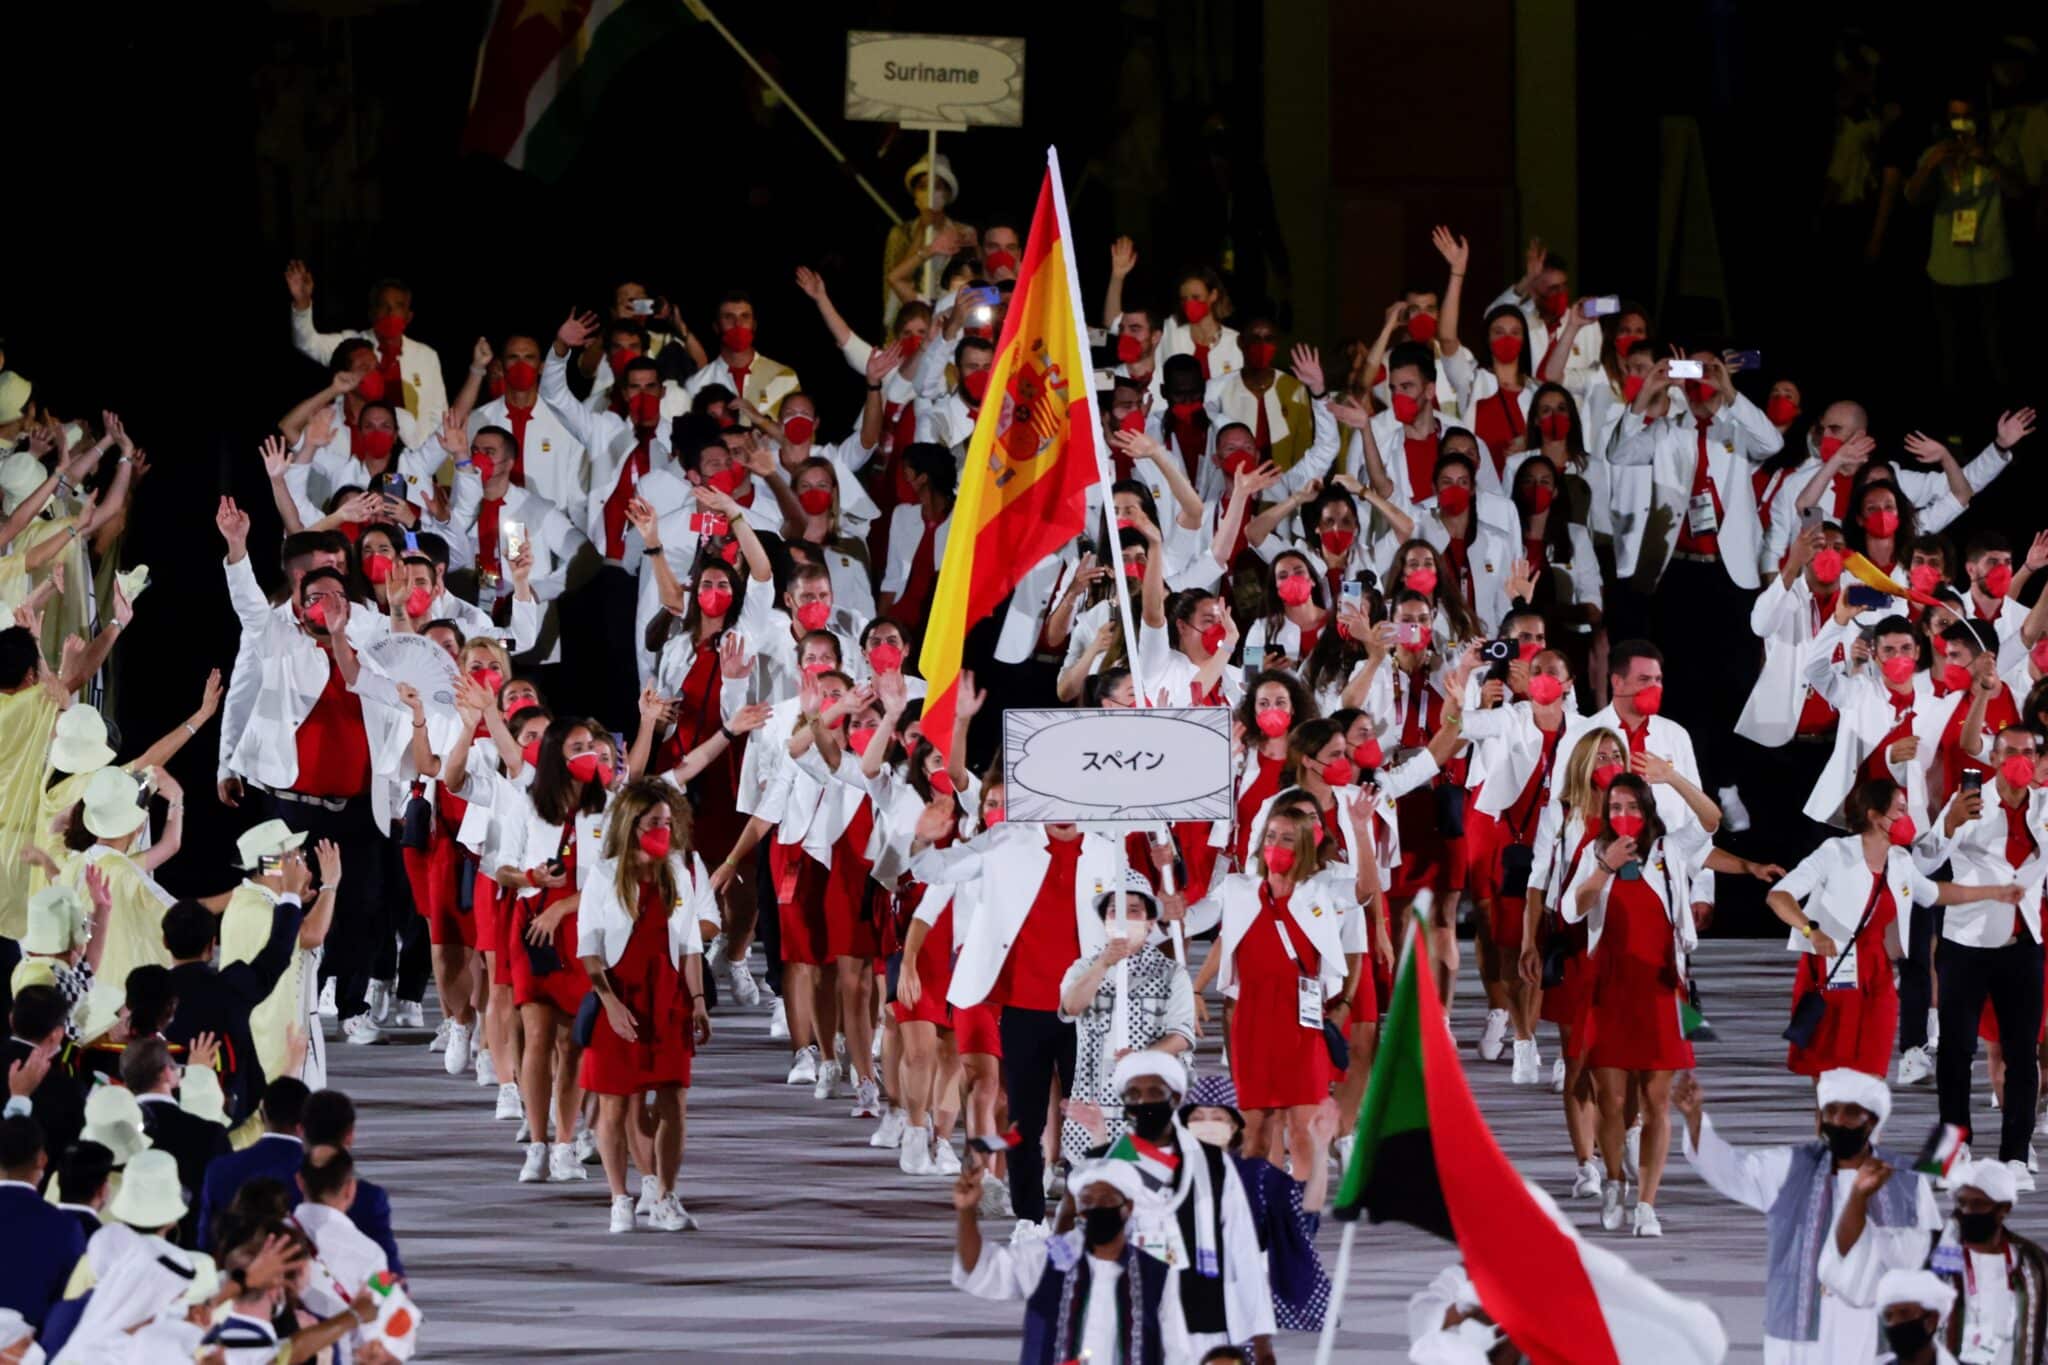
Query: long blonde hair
[[1580, 795], [632, 802]]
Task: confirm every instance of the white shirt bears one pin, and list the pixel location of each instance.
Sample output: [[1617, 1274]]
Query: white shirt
[[1976, 857], [1014, 1272]]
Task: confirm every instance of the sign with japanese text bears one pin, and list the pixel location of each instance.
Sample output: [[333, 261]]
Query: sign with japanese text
[[1113, 766]]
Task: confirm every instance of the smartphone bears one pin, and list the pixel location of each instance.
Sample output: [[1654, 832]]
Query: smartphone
[[1354, 593], [269, 863], [1408, 633], [1607, 305], [513, 533], [1687, 369], [1811, 517], [1972, 780], [1631, 871], [556, 866], [1867, 599], [707, 524], [644, 307], [392, 485], [985, 296], [1739, 361]]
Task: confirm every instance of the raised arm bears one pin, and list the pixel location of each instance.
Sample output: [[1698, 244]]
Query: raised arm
[[1123, 259], [1456, 253]]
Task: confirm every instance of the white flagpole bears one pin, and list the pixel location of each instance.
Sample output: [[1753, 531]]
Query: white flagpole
[[1327, 1342]]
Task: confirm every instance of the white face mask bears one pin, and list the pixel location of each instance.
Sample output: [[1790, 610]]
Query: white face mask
[[1215, 1132]]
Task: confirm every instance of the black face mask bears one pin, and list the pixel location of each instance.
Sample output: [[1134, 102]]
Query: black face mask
[[1101, 1226], [1843, 1141], [1907, 1339], [1151, 1120], [1978, 1228]]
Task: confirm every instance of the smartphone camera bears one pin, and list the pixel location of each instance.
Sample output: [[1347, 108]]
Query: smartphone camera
[[1687, 369], [1499, 651]]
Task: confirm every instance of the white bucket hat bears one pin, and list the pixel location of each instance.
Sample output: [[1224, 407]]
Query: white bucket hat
[[113, 1118], [81, 742], [266, 840], [14, 392], [113, 804], [944, 172], [133, 581], [56, 920], [199, 1095], [150, 1196], [20, 475]]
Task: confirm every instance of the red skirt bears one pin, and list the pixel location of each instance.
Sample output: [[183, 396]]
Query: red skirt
[[934, 976], [850, 896], [1426, 856], [1633, 1024], [1858, 1029], [1275, 1061], [431, 873], [494, 926], [977, 1029], [800, 901], [653, 990], [1569, 1003], [564, 987]]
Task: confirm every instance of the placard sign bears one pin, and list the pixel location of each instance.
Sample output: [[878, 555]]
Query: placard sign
[[1116, 766], [925, 79]]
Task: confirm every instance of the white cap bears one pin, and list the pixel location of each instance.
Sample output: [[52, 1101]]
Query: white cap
[[1922, 1287], [1147, 1062], [1122, 1174], [944, 172], [113, 804], [1844, 1086], [1990, 1177], [20, 475], [150, 1196]]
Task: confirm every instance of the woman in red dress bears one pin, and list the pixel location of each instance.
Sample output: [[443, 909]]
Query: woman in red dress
[[1274, 703], [639, 935], [1497, 399]]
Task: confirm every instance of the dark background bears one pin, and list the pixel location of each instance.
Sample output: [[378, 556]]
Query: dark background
[[166, 162]]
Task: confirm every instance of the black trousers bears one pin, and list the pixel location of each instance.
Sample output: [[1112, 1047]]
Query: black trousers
[[1035, 1045], [2011, 978], [1916, 974], [404, 957], [363, 911], [1701, 623], [597, 632]]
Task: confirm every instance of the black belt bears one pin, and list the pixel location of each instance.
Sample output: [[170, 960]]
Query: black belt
[[333, 803]]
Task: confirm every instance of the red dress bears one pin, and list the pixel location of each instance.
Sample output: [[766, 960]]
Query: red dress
[[1264, 788], [564, 987], [1861, 1022], [1498, 420], [1635, 984], [1569, 1003], [655, 992], [934, 975], [800, 897], [1275, 1061], [715, 821], [850, 892], [1491, 838], [431, 874]]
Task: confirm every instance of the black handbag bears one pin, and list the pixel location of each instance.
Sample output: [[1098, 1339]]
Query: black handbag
[[1338, 1044], [1518, 859], [542, 956], [1558, 949], [417, 832], [1811, 1007], [1450, 809], [586, 1020]]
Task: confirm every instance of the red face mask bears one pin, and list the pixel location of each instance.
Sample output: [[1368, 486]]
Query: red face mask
[[910, 343], [1554, 302], [1954, 677], [1337, 542], [813, 615], [1781, 411], [1700, 392], [1422, 327], [1274, 721], [998, 260], [1555, 426], [377, 568], [1258, 355], [1881, 522], [1649, 700], [619, 358], [480, 459], [645, 410], [1902, 832], [1134, 420], [1406, 408], [1212, 637], [860, 737], [1129, 349], [588, 767], [1624, 342], [1829, 445], [1194, 310], [390, 327], [1506, 348], [737, 340], [1827, 567], [1279, 859], [530, 751], [799, 429], [1604, 775], [1897, 670], [655, 842], [417, 601], [1420, 580], [975, 385], [1545, 690], [2018, 770], [713, 601], [1238, 461], [1631, 387], [315, 615], [885, 658], [992, 816], [1924, 577], [1369, 754], [1295, 590], [1454, 499], [1134, 569], [2039, 654], [1540, 496], [374, 443], [816, 501], [1998, 580], [941, 780], [489, 679], [1338, 772], [1184, 411], [521, 376], [370, 386], [1625, 826]]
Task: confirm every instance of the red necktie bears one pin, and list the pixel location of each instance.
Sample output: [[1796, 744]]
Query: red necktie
[[518, 417], [1262, 430], [910, 607], [487, 534], [636, 468]]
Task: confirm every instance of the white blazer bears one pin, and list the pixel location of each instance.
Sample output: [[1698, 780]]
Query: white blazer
[[1514, 755], [418, 366], [1491, 555], [1665, 738], [603, 926], [530, 840], [1313, 908], [1739, 436], [906, 533], [1786, 620], [1170, 675], [1832, 884], [1178, 338], [1681, 855], [557, 465], [768, 383], [609, 441], [1008, 863], [1866, 718], [1976, 857]]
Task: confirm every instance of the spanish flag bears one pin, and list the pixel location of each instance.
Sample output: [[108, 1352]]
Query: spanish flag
[[1034, 452]]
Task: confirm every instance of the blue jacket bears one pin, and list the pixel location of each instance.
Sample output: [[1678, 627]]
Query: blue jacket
[[278, 1156], [39, 1244]]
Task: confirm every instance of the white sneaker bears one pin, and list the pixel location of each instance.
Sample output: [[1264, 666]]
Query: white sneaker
[[486, 1069], [778, 1023], [563, 1164], [457, 1060], [360, 1031], [536, 1168], [1962, 1159], [875, 1051], [1344, 1145], [1528, 1067], [1610, 1205], [1632, 1155], [327, 997], [945, 1161], [509, 1106], [379, 998], [1646, 1224], [585, 1147], [409, 1014], [1557, 1077], [1933, 1032], [1493, 1041], [2022, 1176], [2033, 1161], [995, 1198], [1914, 1068], [867, 1100], [914, 1157], [889, 1132], [525, 1133], [740, 976], [669, 1215], [829, 1079], [803, 1068], [622, 1213], [1734, 819], [650, 1195], [1586, 1184], [439, 1042]]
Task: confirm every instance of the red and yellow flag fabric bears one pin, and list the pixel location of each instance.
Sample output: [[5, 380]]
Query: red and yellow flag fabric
[[1023, 492]]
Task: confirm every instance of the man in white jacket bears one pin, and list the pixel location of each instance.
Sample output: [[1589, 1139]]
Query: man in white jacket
[[424, 390]]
